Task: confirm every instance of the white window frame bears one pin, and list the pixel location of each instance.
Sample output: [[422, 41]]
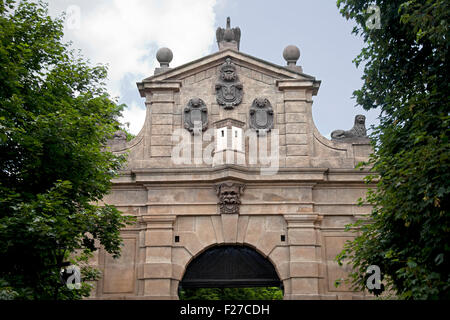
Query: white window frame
[[221, 139], [236, 138]]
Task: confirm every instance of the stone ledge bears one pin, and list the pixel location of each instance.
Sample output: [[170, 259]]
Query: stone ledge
[[145, 87], [209, 175]]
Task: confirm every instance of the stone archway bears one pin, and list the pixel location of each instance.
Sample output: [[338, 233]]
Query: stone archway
[[230, 266]]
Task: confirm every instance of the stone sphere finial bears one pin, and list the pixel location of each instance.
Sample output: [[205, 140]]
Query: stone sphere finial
[[164, 56], [291, 54]]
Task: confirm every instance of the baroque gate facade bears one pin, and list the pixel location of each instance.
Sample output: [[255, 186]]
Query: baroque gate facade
[[229, 155]]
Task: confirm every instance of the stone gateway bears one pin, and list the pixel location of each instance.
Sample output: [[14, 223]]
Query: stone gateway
[[286, 224]]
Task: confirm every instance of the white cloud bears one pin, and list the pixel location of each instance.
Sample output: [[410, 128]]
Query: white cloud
[[125, 34], [133, 118]]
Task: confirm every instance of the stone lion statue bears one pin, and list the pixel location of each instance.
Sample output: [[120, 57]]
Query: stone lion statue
[[357, 132], [120, 136]]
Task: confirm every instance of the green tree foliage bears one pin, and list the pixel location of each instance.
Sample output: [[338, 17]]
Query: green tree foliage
[[55, 118], [257, 293], [406, 76]]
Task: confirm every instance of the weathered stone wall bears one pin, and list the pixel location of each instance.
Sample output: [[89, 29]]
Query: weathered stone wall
[[308, 200]]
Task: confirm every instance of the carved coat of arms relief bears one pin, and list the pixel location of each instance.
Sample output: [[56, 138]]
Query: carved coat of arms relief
[[228, 88], [196, 116], [261, 115]]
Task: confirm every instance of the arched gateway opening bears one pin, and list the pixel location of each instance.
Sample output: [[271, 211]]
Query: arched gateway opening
[[230, 266]]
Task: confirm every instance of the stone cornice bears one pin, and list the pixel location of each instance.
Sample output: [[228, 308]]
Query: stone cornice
[[302, 220], [158, 222], [149, 86], [239, 56], [228, 122], [253, 175], [286, 84]]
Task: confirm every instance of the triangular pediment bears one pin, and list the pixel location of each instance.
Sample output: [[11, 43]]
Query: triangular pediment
[[239, 58]]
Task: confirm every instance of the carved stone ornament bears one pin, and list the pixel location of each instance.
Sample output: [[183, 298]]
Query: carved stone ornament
[[229, 196], [357, 133], [229, 37], [196, 116], [119, 136], [261, 115], [228, 88]]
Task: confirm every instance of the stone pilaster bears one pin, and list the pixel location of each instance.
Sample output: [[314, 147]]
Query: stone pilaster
[[304, 256], [298, 127], [160, 103], [156, 269]]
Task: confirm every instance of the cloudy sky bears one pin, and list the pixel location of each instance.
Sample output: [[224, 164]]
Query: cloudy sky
[[126, 34]]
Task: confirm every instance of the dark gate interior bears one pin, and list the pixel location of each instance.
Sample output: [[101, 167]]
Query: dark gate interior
[[230, 266]]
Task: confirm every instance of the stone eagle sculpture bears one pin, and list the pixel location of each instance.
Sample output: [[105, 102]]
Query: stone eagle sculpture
[[356, 133], [228, 35]]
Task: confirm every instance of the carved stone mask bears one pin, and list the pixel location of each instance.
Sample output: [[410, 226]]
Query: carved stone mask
[[229, 197], [196, 102], [260, 102], [228, 71]]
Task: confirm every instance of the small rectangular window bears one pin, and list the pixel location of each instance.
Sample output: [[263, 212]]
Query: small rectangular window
[[221, 139], [237, 138]]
